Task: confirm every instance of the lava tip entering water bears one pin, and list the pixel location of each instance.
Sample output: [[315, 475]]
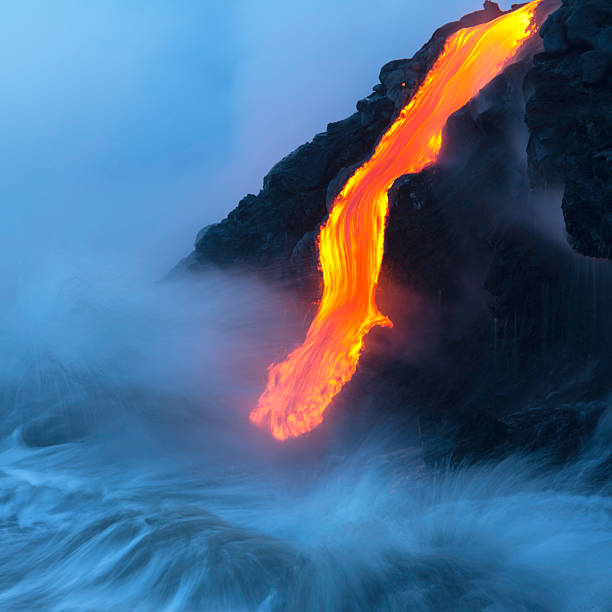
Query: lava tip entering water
[[351, 242]]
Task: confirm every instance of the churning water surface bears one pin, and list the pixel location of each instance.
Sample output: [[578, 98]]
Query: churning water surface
[[131, 479]]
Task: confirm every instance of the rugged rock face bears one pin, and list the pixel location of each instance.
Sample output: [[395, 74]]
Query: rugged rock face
[[515, 314], [569, 116], [454, 211], [265, 229], [517, 324], [274, 231]]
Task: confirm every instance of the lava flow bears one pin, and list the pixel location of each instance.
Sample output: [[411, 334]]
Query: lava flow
[[351, 242]]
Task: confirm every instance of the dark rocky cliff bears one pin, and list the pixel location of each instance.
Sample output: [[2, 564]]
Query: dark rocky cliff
[[569, 115], [516, 322], [273, 230]]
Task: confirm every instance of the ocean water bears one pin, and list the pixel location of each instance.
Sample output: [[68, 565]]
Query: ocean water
[[131, 479]]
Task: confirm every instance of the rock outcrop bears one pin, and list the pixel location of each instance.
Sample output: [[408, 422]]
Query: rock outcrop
[[515, 317], [274, 229], [569, 115]]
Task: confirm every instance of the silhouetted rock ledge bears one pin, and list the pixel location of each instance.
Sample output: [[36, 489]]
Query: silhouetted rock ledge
[[272, 230]]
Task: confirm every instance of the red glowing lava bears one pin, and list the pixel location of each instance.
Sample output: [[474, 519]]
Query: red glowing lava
[[351, 242]]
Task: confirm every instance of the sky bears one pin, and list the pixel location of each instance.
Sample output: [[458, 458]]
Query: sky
[[128, 126]]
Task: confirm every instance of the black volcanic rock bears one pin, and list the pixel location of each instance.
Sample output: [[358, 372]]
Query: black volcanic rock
[[569, 116], [471, 436], [596, 66], [265, 230], [511, 316], [464, 217], [426, 261]]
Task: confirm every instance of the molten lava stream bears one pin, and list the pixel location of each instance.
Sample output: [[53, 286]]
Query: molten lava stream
[[351, 242]]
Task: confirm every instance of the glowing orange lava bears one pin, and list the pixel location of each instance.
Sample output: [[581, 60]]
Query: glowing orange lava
[[351, 242]]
